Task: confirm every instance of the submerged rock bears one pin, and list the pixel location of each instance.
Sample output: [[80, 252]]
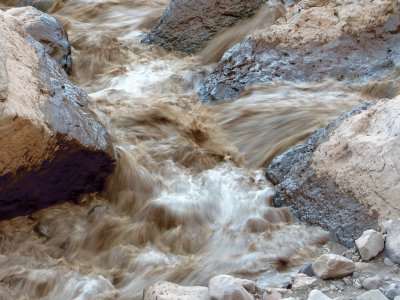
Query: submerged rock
[[48, 31], [52, 148], [344, 176], [172, 291], [187, 25], [312, 43], [332, 266]]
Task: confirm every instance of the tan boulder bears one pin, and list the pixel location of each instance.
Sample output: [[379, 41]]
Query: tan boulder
[[52, 148], [172, 291], [332, 266]]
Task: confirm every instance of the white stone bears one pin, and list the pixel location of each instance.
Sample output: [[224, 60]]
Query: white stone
[[317, 295], [225, 287], [172, 291], [301, 280], [392, 244], [372, 295], [388, 262], [272, 295], [370, 244], [332, 266]]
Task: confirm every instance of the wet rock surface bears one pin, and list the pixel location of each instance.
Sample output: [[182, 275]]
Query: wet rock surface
[[353, 57], [317, 199], [52, 148], [187, 25], [43, 5], [48, 31]]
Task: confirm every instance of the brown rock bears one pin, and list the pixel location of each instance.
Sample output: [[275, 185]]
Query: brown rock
[[52, 148]]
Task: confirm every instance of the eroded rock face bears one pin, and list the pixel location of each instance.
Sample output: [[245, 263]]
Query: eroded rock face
[[52, 148], [186, 25], [48, 31], [172, 291], [343, 177], [313, 43]]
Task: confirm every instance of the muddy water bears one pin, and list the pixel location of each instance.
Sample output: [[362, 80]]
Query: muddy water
[[187, 200]]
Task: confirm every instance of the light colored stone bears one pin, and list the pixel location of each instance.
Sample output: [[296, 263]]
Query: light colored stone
[[317, 295], [226, 287], [370, 244], [372, 283], [392, 244], [331, 266], [172, 291], [372, 295], [301, 281]]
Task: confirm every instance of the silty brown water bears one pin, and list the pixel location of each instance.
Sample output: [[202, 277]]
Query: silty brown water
[[187, 200]]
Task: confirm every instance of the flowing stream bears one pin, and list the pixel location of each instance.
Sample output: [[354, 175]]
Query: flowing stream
[[188, 199]]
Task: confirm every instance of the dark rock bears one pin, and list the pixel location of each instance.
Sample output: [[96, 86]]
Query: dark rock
[[315, 199], [52, 148], [48, 31], [187, 25], [43, 5], [351, 59], [307, 270]]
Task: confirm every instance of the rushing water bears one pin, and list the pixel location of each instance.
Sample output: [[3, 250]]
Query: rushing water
[[187, 200]]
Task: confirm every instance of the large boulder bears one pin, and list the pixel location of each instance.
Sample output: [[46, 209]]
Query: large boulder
[[344, 177], [48, 31], [345, 41], [187, 25], [392, 244], [51, 147]]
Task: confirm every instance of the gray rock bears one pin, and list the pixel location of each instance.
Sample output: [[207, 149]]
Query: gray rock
[[52, 148], [317, 199], [187, 25], [392, 244], [370, 244], [372, 283], [332, 266], [172, 291], [392, 291], [43, 5], [317, 295], [388, 262], [349, 58], [372, 295], [48, 31], [307, 270]]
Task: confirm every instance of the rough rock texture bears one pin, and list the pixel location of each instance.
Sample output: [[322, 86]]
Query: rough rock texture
[[172, 291], [316, 198], [370, 244], [48, 31], [332, 266], [52, 149], [186, 25], [372, 283], [392, 243], [225, 287], [43, 5], [346, 41]]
